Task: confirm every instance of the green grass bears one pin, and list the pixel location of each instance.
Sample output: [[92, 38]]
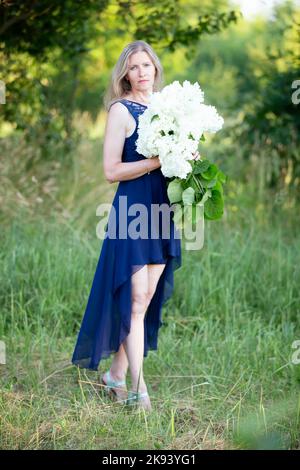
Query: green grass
[[222, 376]]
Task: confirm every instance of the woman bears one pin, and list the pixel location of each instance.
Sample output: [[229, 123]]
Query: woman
[[134, 276]]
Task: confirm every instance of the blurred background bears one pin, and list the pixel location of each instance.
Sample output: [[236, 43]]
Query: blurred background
[[236, 303]]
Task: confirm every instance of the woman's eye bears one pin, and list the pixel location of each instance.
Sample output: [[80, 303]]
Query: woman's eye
[[135, 66]]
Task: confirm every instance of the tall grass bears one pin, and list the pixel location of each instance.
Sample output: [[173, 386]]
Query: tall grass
[[223, 375]]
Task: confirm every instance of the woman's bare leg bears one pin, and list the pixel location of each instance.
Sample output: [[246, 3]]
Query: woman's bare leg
[[140, 302], [119, 365], [134, 342], [154, 273], [144, 283]]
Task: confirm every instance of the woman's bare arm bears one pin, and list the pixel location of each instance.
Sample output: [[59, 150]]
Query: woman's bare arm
[[114, 138]]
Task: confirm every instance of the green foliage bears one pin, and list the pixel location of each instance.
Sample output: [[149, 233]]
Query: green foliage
[[42, 47], [48, 49], [271, 120], [202, 187], [256, 67], [37, 27]]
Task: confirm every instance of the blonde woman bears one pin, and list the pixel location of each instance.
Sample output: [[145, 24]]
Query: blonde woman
[[134, 275]]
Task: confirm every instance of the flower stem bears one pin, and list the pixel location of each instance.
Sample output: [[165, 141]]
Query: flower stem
[[198, 183]]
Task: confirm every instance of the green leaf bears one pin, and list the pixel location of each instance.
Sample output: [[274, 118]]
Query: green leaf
[[206, 196], [188, 196], [178, 219], [204, 182], [156, 116], [213, 207], [221, 176], [211, 172], [174, 191], [211, 183], [218, 187], [193, 184], [202, 138], [201, 166]]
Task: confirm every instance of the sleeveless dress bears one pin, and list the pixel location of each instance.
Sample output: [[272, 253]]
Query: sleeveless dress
[[107, 318]]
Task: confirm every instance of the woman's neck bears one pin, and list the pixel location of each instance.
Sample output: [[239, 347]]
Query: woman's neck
[[140, 98]]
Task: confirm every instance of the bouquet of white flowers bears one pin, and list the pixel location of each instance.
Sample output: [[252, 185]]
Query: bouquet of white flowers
[[171, 127]]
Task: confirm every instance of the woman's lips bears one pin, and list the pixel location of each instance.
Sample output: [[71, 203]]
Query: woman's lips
[[142, 81]]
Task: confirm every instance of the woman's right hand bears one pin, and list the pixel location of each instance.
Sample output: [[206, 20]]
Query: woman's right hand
[[155, 162]]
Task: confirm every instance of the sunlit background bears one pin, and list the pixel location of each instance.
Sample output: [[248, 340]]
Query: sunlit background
[[254, 8]]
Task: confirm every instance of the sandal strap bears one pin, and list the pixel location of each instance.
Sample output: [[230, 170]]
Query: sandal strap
[[113, 383], [136, 395]]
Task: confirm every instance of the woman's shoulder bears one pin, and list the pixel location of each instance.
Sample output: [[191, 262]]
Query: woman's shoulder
[[122, 99], [117, 114], [117, 106]]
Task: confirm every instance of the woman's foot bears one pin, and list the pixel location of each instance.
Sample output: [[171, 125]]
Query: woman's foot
[[145, 403], [116, 388], [139, 399]]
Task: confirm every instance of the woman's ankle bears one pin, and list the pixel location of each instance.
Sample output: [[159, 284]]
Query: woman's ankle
[[142, 388], [117, 375]]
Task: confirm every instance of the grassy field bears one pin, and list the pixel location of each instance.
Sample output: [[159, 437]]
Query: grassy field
[[226, 374], [223, 375]]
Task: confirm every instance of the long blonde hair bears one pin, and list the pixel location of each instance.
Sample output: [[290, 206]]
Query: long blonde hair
[[119, 86]]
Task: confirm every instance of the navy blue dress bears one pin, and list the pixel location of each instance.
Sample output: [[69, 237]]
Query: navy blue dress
[[106, 321]]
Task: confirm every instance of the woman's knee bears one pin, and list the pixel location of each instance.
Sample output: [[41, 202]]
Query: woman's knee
[[140, 301]]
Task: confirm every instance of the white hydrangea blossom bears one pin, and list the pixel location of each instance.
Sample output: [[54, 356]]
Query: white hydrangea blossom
[[173, 124]]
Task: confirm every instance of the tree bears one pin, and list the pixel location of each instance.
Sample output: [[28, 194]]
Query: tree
[[44, 43]]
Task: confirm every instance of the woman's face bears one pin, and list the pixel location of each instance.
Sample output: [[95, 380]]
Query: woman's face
[[141, 72]]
